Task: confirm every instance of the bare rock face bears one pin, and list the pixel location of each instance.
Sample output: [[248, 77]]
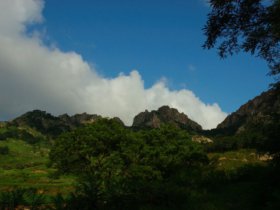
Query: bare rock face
[[85, 118], [202, 139], [164, 115], [262, 109]]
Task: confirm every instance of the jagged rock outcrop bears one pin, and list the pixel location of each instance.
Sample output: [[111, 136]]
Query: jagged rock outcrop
[[262, 109], [51, 125], [42, 122], [79, 119], [164, 115]]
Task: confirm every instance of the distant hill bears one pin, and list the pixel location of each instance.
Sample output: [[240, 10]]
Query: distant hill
[[33, 126], [48, 124], [263, 109], [164, 115]]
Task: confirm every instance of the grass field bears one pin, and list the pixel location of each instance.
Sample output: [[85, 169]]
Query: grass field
[[238, 186], [26, 166], [232, 160]]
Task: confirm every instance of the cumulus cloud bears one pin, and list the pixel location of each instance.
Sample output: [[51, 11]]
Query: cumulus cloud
[[35, 76]]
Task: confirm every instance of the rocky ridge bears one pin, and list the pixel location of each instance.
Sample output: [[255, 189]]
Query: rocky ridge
[[164, 115], [262, 109], [52, 125]]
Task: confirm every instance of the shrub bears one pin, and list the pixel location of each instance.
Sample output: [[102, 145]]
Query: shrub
[[118, 167], [4, 150]]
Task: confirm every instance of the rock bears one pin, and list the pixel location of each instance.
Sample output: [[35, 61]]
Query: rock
[[164, 115], [262, 108], [53, 126], [265, 157], [222, 158], [84, 118], [201, 139]]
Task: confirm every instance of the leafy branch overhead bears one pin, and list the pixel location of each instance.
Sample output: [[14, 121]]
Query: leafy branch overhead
[[249, 25]]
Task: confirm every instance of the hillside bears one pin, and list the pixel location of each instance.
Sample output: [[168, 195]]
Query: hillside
[[161, 161], [263, 109], [164, 115], [50, 125]]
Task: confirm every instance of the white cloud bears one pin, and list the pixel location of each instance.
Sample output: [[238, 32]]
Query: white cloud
[[35, 76]]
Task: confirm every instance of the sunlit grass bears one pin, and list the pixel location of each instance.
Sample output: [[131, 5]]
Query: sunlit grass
[[26, 166], [232, 160]]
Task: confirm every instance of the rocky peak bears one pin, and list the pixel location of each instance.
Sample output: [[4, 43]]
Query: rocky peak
[[164, 115], [262, 108], [42, 122], [52, 125], [84, 118]]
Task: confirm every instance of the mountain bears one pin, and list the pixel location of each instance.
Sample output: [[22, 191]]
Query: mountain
[[263, 109], [51, 125], [164, 115]]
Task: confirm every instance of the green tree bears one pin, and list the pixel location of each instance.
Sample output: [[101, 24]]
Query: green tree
[[248, 25], [120, 168]]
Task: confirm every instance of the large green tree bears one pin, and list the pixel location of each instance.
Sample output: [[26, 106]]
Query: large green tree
[[120, 167], [248, 25]]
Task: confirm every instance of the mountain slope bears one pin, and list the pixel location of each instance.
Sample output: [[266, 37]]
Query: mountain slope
[[263, 109], [51, 125], [164, 115]]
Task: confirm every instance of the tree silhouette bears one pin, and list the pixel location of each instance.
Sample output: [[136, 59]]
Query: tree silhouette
[[248, 25]]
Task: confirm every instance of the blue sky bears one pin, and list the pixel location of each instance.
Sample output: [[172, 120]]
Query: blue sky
[[159, 38], [118, 58]]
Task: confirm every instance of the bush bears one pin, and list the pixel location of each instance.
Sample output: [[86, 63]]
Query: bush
[[12, 199], [17, 197], [4, 150], [119, 168]]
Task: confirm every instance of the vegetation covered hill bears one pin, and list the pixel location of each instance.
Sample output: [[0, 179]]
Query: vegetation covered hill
[[263, 108], [50, 125], [255, 124], [98, 163]]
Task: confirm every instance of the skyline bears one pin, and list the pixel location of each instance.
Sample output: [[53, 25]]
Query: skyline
[[160, 39], [139, 55]]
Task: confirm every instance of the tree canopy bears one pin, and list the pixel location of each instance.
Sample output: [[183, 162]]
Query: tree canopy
[[122, 167], [249, 25]]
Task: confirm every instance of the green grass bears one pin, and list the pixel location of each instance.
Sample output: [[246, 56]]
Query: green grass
[[239, 185], [232, 160], [25, 166]]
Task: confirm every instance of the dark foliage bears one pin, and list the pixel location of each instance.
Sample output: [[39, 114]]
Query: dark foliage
[[42, 122], [249, 25], [18, 198], [4, 150], [16, 133], [120, 168], [265, 137]]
